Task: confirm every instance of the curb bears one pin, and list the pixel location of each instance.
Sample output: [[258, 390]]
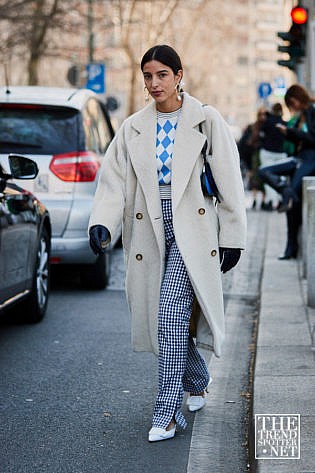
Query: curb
[[284, 377]]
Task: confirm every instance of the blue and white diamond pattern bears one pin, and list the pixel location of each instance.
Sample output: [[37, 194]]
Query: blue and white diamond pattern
[[166, 130]]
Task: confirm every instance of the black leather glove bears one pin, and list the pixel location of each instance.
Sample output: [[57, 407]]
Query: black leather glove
[[98, 236], [229, 258]]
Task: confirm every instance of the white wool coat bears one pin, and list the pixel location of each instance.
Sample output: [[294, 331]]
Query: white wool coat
[[127, 199]]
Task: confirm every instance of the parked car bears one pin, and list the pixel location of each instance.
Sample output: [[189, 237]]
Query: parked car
[[66, 131], [25, 232]]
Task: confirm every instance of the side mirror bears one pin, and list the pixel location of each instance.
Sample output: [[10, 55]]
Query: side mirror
[[22, 167]]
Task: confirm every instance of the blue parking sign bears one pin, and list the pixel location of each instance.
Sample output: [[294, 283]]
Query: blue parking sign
[[96, 77], [264, 90]]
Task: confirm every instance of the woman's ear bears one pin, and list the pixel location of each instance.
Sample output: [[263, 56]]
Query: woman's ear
[[179, 75]]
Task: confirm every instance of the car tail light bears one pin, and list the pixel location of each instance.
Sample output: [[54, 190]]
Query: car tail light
[[54, 259], [78, 166]]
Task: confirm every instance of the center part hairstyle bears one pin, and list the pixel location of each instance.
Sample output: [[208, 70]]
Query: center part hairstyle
[[164, 54]]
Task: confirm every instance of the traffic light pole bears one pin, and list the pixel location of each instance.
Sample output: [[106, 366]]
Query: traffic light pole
[[300, 70], [295, 43]]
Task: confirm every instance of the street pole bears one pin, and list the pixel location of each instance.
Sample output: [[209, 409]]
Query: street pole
[[90, 20], [301, 72]]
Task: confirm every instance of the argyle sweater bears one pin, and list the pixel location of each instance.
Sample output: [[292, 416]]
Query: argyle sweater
[[165, 137]]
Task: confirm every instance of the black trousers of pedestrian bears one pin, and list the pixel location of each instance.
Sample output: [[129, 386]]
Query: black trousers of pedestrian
[[295, 169]]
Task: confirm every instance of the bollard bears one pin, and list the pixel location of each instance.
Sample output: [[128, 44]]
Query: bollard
[[308, 181], [310, 247]]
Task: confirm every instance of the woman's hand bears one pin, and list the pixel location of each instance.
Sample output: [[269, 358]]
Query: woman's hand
[[282, 128], [99, 239], [229, 258]]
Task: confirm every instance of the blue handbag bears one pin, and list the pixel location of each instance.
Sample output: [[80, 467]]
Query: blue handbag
[[208, 185]]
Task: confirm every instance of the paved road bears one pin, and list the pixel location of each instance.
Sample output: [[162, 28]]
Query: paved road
[[75, 398]]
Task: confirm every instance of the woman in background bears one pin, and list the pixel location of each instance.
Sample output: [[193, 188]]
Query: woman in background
[[302, 134]]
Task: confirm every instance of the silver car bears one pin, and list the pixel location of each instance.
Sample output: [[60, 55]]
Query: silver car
[[66, 131]]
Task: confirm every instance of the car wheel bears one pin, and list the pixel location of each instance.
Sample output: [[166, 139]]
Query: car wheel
[[96, 276], [36, 302]]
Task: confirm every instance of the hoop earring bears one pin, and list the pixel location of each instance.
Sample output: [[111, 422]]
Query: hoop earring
[[146, 94], [178, 90]]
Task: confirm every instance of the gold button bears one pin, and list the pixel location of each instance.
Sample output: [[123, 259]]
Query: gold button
[[139, 215], [213, 252], [201, 211], [139, 257]]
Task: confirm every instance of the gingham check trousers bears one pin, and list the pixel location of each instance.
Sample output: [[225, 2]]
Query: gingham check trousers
[[181, 366]]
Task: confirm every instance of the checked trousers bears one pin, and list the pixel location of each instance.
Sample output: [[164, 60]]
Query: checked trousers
[[181, 366]]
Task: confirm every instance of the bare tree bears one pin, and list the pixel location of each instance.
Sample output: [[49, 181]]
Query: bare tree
[[143, 23], [43, 17], [26, 28], [136, 28]]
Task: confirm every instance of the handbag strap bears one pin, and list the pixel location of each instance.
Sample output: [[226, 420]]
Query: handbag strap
[[204, 154], [204, 149], [205, 146]]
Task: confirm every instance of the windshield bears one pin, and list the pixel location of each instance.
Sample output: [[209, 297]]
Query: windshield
[[38, 130]]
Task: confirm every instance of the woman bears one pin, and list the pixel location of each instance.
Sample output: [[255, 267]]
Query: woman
[[271, 151], [302, 134], [249, 147], [150, 182]]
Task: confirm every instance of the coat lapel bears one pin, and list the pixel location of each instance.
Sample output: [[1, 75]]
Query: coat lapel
[[187, 147], [142, 151]]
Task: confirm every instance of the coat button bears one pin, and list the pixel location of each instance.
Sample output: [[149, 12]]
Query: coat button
[[201, 211], [139, 215], [139, 257], [213, 252]]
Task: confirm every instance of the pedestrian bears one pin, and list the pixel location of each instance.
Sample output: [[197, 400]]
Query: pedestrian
[[249, 146], [175, 238], [302, 134], [272, 149]]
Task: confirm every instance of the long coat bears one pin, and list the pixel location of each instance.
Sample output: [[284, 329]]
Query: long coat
[[127, 198]]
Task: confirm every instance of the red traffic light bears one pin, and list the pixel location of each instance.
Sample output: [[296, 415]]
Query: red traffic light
[[299, 15]]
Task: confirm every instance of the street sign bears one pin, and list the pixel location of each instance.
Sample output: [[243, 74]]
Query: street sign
[[264, 90], [279, 89], [96, 77], [279, 82]]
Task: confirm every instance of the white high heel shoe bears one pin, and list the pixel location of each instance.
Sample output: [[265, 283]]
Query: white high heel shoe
[[195, 403], [158, 433]]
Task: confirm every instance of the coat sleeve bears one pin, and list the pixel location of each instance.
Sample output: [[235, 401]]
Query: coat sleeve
[[109, 200], [225, 166]]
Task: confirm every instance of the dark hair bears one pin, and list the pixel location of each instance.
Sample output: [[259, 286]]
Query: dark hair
[[298, 92], [277, 109], [164, 54]]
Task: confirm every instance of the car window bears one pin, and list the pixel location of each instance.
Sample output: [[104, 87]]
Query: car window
[[96, 130], [38, 130], [104, 132], [91, 136]]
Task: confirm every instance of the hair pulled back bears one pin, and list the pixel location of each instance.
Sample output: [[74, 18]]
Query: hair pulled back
[[164, 54]]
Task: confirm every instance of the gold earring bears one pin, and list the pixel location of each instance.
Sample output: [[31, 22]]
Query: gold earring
[[146, 94]]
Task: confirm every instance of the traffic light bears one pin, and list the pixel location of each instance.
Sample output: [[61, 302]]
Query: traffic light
[[295, 38]]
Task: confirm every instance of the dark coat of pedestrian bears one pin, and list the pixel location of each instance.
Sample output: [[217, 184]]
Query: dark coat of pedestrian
[[249, 146], [302, 135]]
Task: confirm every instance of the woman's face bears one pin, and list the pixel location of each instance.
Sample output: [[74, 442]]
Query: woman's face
[[161, 83], [295, 106]]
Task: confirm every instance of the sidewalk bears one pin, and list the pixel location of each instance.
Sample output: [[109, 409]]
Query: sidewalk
[[284, 380]]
